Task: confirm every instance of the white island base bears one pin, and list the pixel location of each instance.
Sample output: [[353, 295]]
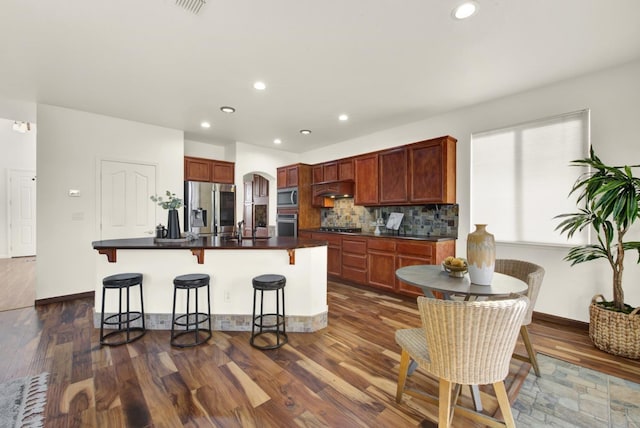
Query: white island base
[[231, 273]]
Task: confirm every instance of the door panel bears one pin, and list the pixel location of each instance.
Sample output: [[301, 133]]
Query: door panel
[[22, 213], [126, 210]]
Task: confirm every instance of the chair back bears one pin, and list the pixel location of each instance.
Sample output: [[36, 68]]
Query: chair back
[[471, 342], [528, 272]]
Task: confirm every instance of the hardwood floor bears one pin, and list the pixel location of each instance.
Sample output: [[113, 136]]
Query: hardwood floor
[[17, 282], [344, 375]]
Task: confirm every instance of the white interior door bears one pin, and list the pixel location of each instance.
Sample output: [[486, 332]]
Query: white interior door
[[22, 213], [126, 210]]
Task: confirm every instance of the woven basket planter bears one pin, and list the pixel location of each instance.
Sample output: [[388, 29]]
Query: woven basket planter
[[614, 332]]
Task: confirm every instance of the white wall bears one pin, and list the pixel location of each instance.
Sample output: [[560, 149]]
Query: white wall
[[612, 95], [206, 150], [69, 144], [18, 153]]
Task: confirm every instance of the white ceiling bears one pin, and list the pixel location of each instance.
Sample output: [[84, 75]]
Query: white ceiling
[[384, 62]]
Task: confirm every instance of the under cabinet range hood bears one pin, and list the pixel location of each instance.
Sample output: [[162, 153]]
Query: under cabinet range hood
[[336, 189]]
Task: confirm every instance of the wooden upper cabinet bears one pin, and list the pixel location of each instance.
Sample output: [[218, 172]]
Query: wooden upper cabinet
[[260, 187], [287, 176], [393, 176], [432, 171], [196, 169], [317, 174], [366, 177], [346, 170], [338, 170], [200, 169], [222, 172]]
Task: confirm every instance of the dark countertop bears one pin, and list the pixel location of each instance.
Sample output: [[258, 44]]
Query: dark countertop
[[389, 235], [209, 243]]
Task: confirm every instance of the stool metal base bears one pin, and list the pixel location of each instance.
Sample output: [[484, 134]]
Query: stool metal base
[[191, 321], [122, 319], [270, 323]]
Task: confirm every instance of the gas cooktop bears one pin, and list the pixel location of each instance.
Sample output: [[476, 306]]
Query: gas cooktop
[[341, 229]]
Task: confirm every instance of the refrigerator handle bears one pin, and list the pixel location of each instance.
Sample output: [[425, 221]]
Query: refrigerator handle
[[214, 218]]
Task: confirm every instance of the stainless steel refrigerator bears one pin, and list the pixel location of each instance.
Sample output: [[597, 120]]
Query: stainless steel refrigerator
[[209, 208]]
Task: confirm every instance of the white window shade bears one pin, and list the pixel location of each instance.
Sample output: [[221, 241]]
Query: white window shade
[[521, 177]]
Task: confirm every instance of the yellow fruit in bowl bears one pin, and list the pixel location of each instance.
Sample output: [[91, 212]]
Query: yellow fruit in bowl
[[448, 260], [457, 262]]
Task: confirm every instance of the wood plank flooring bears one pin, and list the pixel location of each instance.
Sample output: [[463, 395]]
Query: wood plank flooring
[[342, 376], [17, 282]]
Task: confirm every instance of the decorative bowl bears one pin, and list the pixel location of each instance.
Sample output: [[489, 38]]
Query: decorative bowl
[[455, 271]]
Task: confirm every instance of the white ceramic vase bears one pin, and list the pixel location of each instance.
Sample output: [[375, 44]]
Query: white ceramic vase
[[481, 255]]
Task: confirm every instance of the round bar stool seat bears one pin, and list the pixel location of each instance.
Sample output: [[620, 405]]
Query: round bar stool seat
[[269, 323], [191, 321], [123, 320]]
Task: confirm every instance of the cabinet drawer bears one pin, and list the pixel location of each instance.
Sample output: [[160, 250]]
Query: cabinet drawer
[[331, 238], [353, 260], [356, 246], [355, 275], [381, 244], [418, 249]]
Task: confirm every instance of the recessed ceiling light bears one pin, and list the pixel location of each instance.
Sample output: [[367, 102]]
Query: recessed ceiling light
[[205, 125], [343, 117], [465, 10], [227, 109], [261, 86], [277, 141], [305, 131]]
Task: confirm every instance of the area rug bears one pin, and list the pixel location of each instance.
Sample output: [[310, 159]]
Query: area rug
[[567, 395], [22, 401]]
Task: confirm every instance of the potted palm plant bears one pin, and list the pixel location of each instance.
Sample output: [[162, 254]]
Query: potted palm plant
[[609, 198]]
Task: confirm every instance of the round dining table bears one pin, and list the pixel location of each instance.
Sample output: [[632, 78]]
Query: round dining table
[[433, 278]]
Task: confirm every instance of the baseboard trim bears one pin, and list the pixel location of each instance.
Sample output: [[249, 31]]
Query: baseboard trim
[[57, 299], [566, 322]]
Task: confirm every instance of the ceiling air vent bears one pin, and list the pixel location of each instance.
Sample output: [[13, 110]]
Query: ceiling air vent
[[191, 5]]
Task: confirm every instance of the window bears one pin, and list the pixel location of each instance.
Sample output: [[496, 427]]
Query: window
[[521, 178]]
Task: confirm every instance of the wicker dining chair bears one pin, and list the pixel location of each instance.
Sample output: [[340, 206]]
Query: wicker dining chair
[[462, 343], [532, 274]]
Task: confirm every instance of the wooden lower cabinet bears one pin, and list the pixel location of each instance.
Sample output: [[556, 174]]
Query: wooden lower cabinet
[[334, 252], [373, 261], [417, 253], [381, 259], [354, 259]]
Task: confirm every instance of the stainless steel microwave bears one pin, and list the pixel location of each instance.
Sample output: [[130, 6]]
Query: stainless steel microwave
[[288, 198]]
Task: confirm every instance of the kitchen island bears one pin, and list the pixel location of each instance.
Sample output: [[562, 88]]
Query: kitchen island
[[231, 264]]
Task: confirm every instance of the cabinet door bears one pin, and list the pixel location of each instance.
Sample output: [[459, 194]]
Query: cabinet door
[[260, 187], [366, 188], [381, 261], [334, 252], [432, 171], [292, 176], [281, 177], [346, 169], [330, 171], [317, 176], [197, 169], [393, 177], [403, 287], [222, 172]]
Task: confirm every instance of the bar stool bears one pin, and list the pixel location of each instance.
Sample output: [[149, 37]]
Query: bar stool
[[276, 325], [122, 319], [195, 319]]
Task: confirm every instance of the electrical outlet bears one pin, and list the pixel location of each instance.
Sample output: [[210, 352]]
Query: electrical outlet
[[227, 296]]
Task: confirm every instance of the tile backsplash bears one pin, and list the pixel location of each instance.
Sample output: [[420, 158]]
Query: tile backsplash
[[425, 220]]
